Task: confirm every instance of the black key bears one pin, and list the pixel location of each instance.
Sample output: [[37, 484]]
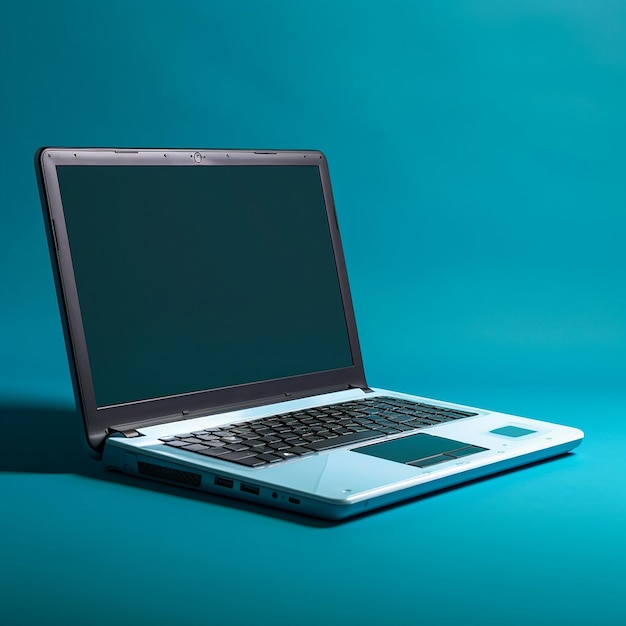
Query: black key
[[247, 434], [401, 427], [237, 447], [279, 445], [236, 456], [363, 420], [380, 423], [269, 458], [296, 441], [389, 430], [255, 443], [343, 431], [261, 429], [309, 438], [241, 431], [196, 447], [231, 439], [271, 439], [389, 414], [416, 424], [164, 439], [301, 431], [206, 437], [400, 417], [344, 440], [183, 435], [177, 443], [251, 461], [299, 451], [214, 443], [285, 454], [216, 452], [262, 450]]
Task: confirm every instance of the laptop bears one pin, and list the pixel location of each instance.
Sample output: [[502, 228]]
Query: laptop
[[212, 341]]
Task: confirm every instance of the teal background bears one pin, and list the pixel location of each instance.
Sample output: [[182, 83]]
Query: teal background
[[477, 153]]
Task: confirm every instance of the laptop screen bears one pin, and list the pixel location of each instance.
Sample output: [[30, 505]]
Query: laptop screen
[[196, 278]]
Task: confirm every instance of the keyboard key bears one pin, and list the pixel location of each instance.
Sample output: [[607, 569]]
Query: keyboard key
[[269, 458], [176, 443], [206, 437], [300, 451], [344, 440], [217, 452], [250, 461], [195, 447], [237, 447], [279, 445], [236, 456]]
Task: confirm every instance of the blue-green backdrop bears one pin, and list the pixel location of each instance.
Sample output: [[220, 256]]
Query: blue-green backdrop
[[477, 152], [478, 157]]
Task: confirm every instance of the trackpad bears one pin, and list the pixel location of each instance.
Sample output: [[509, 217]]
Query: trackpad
[[420, 450]]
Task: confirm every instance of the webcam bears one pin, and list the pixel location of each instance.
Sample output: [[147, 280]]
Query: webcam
[[197, 157]]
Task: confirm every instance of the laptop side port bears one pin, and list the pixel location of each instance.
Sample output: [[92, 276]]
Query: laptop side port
[[170, 474], [223, 482], [249, 489], [294, 500]]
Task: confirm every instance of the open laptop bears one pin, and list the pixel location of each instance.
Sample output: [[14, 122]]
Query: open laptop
[[212, 340]]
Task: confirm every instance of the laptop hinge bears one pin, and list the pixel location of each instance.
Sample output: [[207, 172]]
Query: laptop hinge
[[128, 433], [363, 389]]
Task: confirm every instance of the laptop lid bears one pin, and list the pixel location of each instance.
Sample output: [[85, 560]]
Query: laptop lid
[[196, 281]]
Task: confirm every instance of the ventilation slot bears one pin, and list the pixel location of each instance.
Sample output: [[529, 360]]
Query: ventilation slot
[[167, 473]]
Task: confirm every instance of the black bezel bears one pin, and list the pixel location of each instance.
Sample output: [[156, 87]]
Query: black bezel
[[99, 421]]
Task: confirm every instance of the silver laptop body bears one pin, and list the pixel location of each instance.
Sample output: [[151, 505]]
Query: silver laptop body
[[213, 345]]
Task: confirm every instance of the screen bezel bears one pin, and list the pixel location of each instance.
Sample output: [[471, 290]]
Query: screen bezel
[[99, 421]]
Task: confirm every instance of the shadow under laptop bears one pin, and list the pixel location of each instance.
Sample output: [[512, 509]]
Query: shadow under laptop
[[52, 441], [42, 440]]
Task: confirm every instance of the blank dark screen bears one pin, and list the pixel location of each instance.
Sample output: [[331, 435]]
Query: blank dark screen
[[202, 277]]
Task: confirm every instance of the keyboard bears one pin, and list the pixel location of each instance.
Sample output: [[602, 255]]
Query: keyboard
[[286, 436]]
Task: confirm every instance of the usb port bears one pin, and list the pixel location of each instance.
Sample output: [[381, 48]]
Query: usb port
[[223, 482], [294, 500], [249, 489]]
